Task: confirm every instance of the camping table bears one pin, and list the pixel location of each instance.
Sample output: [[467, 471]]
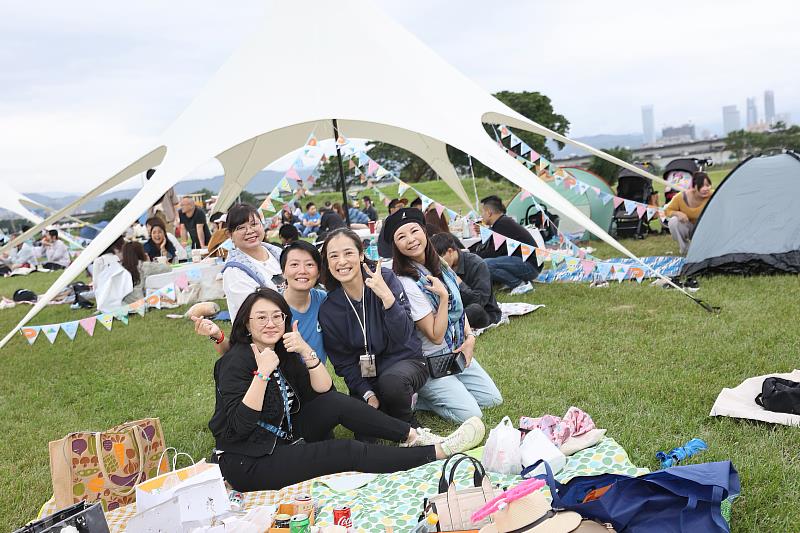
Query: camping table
[[204, 273]]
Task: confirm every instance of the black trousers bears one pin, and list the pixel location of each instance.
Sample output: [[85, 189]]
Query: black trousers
[[53, 266], [397, 384], [290, 464]]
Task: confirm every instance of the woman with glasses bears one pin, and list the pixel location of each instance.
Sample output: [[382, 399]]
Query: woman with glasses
[[436, 307], [252, 263], [274, 410], [300, 263]]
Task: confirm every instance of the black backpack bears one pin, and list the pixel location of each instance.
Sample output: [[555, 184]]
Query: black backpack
[[780, 395], [24, 295]]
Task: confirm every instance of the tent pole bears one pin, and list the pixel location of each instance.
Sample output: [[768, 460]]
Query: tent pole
[[345, 203]]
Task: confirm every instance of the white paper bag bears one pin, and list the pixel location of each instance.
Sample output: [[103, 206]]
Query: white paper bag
[[537, 446]]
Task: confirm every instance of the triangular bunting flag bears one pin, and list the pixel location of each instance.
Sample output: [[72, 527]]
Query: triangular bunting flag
[[605, 197], [351, 164], [582, 187], [439, 208], [587, 267], [88, 324], [572, 263], [604, 269], [541, 255], [630, 206], [524, 150], [452, 214], [511, 246], [486, 234], [122, 315], [526, 252], [372, 166], [266, 205], [558, 180], [181, 281], [51, 332], [596, 190], [31, 332], [552, 168], [106, 319], [641, 210], [70, 328], [498, 240], [402, 187], [341, 141], [524, 194], [617, 201], [619, 272], [533, 156], [556, 258], [284, 184], [636, 273], [650, 212], [381, 172], [515, 141], [425, 202], [504, 132], [292, 174]]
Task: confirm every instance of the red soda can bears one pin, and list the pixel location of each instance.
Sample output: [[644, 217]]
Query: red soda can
[[341, 516]]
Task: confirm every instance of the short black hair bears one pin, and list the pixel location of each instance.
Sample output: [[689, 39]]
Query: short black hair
[[216, 216], [328, 203], [288, 232], [53, 233], [367, 199], [699, 179], [303, 246], [494, 203], [239, 331], [309, 204], [416, 202], [241, 214], [443, 242]]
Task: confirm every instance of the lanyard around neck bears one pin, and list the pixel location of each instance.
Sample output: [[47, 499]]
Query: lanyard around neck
[[362, 325], [286, 410]]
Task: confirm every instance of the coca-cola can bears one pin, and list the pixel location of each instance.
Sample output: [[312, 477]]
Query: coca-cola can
[[341, 516]]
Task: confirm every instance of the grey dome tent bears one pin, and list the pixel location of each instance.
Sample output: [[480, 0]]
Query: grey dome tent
[[751, 225]]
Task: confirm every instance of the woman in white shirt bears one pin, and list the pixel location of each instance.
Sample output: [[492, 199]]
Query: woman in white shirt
[[252, 263], [436, 307]]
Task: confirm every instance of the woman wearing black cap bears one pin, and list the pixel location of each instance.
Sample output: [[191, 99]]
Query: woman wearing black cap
[[436, 307]]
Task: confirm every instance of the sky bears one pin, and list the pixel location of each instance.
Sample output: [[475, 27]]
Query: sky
[[87, 86]]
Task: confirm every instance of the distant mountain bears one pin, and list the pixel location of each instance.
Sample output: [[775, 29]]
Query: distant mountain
[[602, 141], [264, 181]]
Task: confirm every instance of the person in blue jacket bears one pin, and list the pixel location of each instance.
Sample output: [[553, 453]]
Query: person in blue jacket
[[367, 331]]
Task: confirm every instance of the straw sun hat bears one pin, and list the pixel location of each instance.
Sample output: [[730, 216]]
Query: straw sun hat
[[532, 514]]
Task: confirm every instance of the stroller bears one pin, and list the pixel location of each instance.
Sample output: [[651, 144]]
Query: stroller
[[632, 186], [680, 171], [545, 221]]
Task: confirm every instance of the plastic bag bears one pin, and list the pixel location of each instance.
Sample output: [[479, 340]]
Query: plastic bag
[[501, 453]]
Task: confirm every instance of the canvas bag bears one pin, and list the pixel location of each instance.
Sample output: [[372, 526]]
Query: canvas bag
[[106, 466], [455, 506], [780, 396], [681, 499]]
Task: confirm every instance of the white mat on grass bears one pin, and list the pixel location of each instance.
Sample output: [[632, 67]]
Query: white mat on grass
[[740, 402], [511, 309]]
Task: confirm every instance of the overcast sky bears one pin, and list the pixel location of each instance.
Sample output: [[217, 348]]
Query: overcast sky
[[85, 85]]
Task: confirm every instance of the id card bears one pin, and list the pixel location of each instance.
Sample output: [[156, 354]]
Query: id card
[[368, 368]]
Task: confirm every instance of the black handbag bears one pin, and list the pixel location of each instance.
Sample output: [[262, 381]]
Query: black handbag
[[85, 517], [780, 396]]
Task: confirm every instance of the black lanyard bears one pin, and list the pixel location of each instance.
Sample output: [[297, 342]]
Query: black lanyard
[[286, 410]]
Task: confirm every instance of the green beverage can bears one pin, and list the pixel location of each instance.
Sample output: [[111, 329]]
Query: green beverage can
[[299, 524]]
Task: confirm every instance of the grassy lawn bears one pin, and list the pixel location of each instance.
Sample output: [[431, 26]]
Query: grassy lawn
[[646, 363]]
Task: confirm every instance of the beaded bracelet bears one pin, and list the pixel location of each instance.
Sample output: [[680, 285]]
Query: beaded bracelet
[[261, 375]]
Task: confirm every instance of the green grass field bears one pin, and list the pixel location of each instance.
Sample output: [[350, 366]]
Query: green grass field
[[645, 362]]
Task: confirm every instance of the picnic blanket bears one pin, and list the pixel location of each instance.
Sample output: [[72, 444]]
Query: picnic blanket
[[740, 402], [667, 265], [399, 496], [510, 309]]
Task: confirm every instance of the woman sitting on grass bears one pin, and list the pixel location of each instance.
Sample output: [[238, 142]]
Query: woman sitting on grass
[[366, 328], [442, 326], [159, 245], [134, 260], [275, 407], [300, 263]]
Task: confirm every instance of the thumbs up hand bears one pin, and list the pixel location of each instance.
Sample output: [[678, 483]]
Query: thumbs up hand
[[294, 342]]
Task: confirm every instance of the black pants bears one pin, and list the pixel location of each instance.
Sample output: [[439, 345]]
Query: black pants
[[4, 270], [53, 266], [290, 464], [397, 384]]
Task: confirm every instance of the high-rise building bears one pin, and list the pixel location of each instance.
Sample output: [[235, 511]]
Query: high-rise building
[[752, 112], [769, 107], [730, 119], [648, 124]]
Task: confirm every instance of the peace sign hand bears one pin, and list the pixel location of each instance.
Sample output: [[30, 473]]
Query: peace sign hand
[[378, 285], [294, 342]]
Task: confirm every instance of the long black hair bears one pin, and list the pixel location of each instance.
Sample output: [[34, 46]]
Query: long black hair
[[326, 277], [402, 264], [239, 331]]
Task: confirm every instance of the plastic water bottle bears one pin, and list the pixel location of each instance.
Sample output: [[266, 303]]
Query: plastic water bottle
[[428, 524], [372, 250]]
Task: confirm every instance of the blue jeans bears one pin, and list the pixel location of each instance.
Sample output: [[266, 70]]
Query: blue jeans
[[511, 270], [307, 230], [461, 396]]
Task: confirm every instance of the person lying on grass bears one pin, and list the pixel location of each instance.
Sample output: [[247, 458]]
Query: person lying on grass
[[432, 290], [274, 409]]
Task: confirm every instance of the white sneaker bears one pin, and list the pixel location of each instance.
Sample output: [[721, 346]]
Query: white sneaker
[[424, 438], [469, 435], [522, 288]]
